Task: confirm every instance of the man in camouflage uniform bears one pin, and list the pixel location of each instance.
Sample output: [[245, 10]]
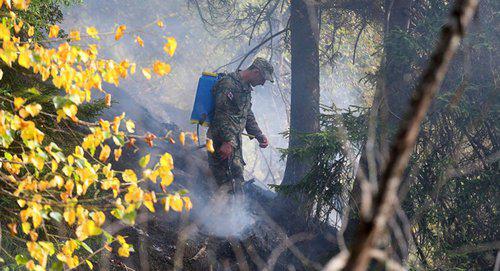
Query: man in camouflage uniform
[[233, 113]]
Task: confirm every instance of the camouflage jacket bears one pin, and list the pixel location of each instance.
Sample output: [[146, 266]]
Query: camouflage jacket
[[233, 110]]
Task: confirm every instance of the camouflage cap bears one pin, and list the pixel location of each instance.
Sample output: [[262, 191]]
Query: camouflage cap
[[265, 67]]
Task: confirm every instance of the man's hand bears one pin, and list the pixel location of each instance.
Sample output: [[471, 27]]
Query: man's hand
[[225, 150], [263, 142]]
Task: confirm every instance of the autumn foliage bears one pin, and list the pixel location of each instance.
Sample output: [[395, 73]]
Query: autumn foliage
[[77, 190]]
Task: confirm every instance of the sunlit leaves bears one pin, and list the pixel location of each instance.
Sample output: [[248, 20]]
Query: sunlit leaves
[[161, 68], [58, 188], [54, 31], [92, 31], [170, 46], [105, 152], [139, 41], [75, 35], [119, 32]]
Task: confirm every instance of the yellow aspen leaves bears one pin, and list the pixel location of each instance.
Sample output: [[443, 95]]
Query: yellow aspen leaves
[[98, 217], [161, 68], [174, 202], [129, 176], [166, 175], [33, 109], [4, 33], [25, 59], [31, 31], [119, 32], [124, 250], [75, 35], [210, 146], [48, 183], [170, 46], [105, 152], [130, 125], [149, 200], [117, 153], [147, 73], [92, 31], [139, 41], [54, 31], [19, 4], [167, 161], [18, 102]]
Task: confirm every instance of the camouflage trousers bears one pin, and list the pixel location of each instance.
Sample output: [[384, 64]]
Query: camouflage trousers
[[227, 172]]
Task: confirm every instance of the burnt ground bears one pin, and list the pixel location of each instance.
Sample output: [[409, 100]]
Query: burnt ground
[[219, 233]]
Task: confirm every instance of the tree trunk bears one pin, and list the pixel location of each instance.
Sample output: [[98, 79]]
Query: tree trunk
[[305, 92]]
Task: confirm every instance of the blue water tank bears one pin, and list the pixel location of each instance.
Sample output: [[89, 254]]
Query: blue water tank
[[204, 102]]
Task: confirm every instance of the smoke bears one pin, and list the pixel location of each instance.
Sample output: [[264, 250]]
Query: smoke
[[226, 216]]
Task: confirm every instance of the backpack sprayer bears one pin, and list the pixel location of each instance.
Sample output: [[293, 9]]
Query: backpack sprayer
[[204, 102]]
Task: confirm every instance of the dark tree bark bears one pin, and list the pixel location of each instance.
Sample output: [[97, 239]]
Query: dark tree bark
[[305, 92]]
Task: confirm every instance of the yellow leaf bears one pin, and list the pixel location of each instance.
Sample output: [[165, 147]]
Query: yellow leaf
[[99, 218], [92, 31], [159, 23], [147, 73], [4, 33], [167, 177], [175, 202], [130, 126], [26, 227], [31, 31], [54, 31], [21, 4], [69, 215], [119, 32], [18, 102], [105, 152], [117, 153], [75, 35], [89, 263], [161, 68], [70, 110], [167, 161], [21, 203], [170, 46], [129, 176], [124, 251], [139, 41], [33, 109], [25, 59]]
